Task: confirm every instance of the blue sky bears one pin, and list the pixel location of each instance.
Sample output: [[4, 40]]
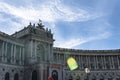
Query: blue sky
[[79, 24]]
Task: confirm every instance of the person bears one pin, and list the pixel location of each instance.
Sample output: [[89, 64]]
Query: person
[[50, 78]]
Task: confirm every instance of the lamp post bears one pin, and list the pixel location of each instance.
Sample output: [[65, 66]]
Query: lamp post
[[87, 71]]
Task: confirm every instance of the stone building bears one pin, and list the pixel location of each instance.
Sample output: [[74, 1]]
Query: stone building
[[29, 55]]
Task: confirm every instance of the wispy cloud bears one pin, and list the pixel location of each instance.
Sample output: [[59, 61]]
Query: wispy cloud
[[10, 26], [49, 11], [71, 43]]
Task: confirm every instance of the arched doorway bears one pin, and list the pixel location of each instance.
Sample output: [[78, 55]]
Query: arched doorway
[[7, 76], [70, 77], [78, 78], [55, 74], [34, 75], [118, 78], [101, 77], [16, 77]]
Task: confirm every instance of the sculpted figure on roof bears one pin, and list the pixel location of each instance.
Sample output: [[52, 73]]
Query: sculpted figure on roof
[[40, 26]]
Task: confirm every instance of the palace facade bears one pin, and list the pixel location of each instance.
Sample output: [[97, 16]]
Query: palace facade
[[29, 55]]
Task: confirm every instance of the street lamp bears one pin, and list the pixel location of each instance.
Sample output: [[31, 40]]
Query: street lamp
[[87, 71]]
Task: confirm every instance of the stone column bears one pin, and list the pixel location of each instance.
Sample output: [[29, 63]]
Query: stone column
[[113, 62], [78, 60], [86, 61], [58, 57], [78, 57], [102, 61], [118, 62], [35, 50], [3, 50], [48, 55], [89, 62], [110, 62], [31, 49], [96, 62], [20, 55], [6, 52], [64, 58], [51, 52], [14, 54], [81, 61], [23, 56], [41, 73]]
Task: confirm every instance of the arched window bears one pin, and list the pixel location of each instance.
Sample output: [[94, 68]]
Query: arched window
[[7, 76], [101, 78], [70, 77], [78, 77], [34, 75], [16, 77], [40, 53]]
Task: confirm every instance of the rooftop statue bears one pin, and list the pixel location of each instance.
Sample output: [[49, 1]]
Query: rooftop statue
[[40, 26]]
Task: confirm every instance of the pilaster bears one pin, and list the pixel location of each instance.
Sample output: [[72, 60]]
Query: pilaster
[[6, 52], [104, 62], [3, 51], [118, 62], [96, 62], [20, 56], [14, 54], [113, 63]]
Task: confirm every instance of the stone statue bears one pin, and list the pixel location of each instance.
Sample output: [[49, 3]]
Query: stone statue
[[40, 26]]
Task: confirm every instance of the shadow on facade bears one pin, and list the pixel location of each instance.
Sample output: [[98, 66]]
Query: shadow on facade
[[70, 77], [16, 77], [7, 76], [34, 75]]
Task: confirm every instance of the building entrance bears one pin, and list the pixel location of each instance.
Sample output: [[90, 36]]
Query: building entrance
[[55, 74]]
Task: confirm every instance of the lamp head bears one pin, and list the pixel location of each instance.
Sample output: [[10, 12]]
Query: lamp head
[[87, 70]]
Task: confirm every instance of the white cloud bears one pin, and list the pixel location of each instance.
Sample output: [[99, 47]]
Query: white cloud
[[50, 11], [10, 26], [71, 43]]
